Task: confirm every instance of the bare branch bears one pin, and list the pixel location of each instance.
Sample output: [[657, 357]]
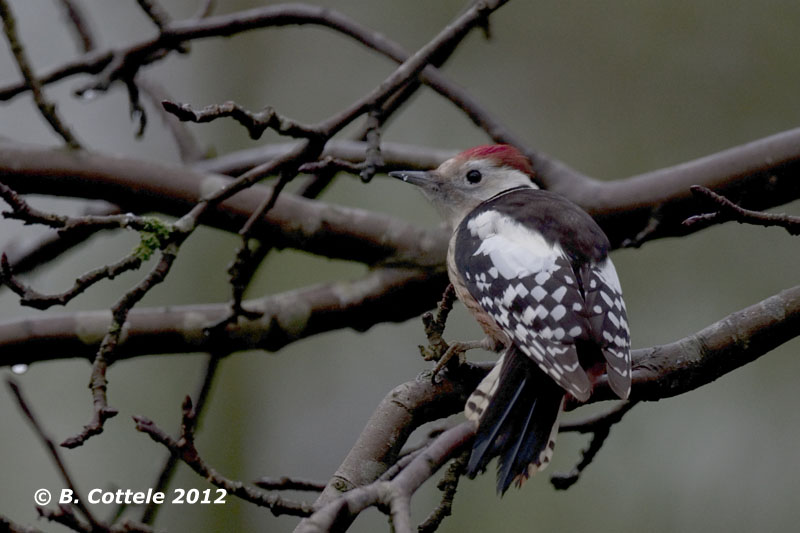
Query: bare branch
[[154, 236], [395, 494], [46, 108], [138, 186], [168, 469], [188, 147], [434, 325], [185, 449], [730, 211], [66, 517], [108, 347], [79, 24], [332, 164], [27, 253], [289, 483], [255, 123], [660, 372], [226, 25], [22, 210], [736, 340], [600, 428], [53, 451], [411, 67], [11, 527], [32, 298], [396, 156], [373, 160], [757, 175], [385, 295], [155, 12], [448, 485], [401, 411]]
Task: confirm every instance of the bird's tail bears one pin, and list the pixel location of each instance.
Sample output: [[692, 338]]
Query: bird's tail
[[516, 408]]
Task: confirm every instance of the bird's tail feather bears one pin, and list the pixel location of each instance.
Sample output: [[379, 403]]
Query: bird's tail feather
[[518, 420]]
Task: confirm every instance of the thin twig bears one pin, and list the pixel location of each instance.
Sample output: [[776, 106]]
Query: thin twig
[[434, 325], [184, 448], [247, 259], [105, 354], [317, 135], [168, 469], [728, 211], [155, 12], [600, 427], [255, 123], [11, 527], [188, 147], [154, 236], [373, 160], [23, 211], [53, 451], [413, 66], [448, 485], [289, 483], [66, 517], [30, 252], [332, 165], [46, 108], [32, 298], [225, 25], [79, 24]]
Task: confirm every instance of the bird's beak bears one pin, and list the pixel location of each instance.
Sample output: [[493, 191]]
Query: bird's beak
[[415, 177]]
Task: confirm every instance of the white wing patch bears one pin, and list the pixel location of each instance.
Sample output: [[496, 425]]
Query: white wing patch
[[514, 250], [533, 298]]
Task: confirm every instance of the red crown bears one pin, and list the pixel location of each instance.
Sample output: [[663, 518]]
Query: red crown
[[504, 154]]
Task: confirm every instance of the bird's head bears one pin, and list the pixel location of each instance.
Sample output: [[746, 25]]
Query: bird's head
[[463, 182]]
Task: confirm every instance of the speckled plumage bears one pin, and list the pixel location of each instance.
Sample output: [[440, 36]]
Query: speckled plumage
[[533, 269]]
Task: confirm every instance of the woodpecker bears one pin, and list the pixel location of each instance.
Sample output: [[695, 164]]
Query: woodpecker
[[533, 269]]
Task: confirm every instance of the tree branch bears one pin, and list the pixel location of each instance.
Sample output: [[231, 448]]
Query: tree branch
[[337, 514], [256, 123], [600, 428], [28, 253], [388, 295], [759, 174], [53, 451], [79, 24], [730, 211], [46, 108], [659, 372], [699, 359], [396, 156], [185, 449], [294, 222], [168, 469]]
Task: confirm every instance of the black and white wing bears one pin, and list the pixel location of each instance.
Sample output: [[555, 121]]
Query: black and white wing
[[546, 294]]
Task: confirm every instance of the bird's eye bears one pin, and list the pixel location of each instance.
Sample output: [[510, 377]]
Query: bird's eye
[[474, 176]]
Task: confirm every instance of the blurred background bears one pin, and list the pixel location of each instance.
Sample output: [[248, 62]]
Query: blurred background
[[611, 88]]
